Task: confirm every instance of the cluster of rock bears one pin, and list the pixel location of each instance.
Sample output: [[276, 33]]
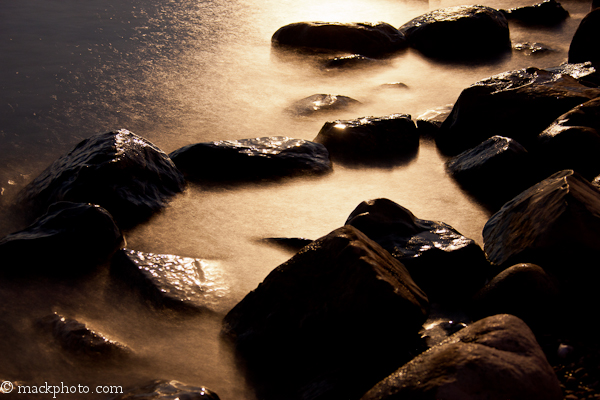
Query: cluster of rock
[[343, 317]]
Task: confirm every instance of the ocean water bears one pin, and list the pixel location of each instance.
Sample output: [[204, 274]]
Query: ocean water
[[187, 71]]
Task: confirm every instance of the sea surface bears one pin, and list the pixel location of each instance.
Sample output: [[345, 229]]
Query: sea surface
[[188, 71]]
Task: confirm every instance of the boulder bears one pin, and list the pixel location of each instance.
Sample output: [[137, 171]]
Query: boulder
[[460, 32], [330, 322], [252, 159], [554, 224], [387, 140], [524, 290], [496, 358], [572, 141], [584, 45], [367, 39], [495, 171], [318, 104], [77, 339], [518, 104], [548, 12], [170, 281], [71, 239], [444, 263], [161, 389], [119, 171]]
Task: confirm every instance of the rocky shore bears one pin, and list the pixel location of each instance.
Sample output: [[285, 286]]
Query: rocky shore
[[389, 305]]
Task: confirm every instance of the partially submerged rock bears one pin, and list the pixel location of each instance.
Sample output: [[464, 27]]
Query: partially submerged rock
[[524, 290], [170, 281], [530, 49], [330, 322], [371, 140], [293, 244], [161, 389], [367, 39], [495, 170], [77, 339], [496, 358], [430, 121], [321, 104], [548, 12], [572, 141], [444, 263], [252, 159], [554, 224], [122, 172], [460, 32], [71, 239], [584, 45], [518, 104]]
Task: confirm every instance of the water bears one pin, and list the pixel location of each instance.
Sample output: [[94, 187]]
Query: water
[[180, 72]]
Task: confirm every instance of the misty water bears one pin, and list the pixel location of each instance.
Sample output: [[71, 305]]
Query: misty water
[[187, 71]]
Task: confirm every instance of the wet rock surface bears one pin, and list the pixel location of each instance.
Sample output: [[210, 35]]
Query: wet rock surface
[[352, 61], [252, 159], [329, 322], [121, 171], [161, 389], [318, 104], [584, 45], [519, 104], [387, 140], [532, 49], [494, 358], [548, 12], [553, 224], [70, 240], [170, 281], [572, 141], [523, 290], [459, 32], [444, 263], [79, 340], [430, 121], [495, 170], [367, 39]]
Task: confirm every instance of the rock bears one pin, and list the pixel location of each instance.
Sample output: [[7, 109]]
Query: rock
[[584, 45], [548, 12], [161, 389], [367, 39], [430, 121], [518, 104], [252, 159], [384, 140], [436, 332], [77, 339], [394, 85], [170, 281], [119, 171], [554, 224], [351, 61], [71, 239], [322, 103], [293, 244], [530, 49], [495, 171], [496, 358], [444, 263], [572, 141], [461, 32], [523, 290], [330, 322]]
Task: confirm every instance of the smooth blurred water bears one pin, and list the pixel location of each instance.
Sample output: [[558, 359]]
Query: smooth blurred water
[[180, 72]]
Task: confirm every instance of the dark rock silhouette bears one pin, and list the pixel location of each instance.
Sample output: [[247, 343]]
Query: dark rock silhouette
[[120, 171], [495, 358], [330, 322]]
